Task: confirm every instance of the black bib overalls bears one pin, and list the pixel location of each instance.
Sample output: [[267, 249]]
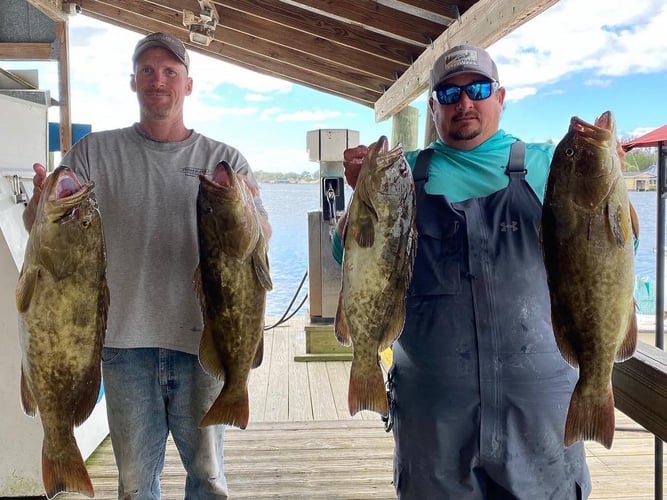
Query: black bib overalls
[[480, 390]]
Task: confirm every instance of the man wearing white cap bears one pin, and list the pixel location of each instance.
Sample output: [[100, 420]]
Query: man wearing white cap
[[478, 388], [146, 180]]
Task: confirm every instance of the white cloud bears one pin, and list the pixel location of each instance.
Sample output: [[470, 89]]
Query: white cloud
[[269, 113], [308, 115], [257, 97], [604, 37], [598, 82], [518, 93], [285, 159]]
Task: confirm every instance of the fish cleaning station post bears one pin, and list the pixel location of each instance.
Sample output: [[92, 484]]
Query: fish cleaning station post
[[326, 146]]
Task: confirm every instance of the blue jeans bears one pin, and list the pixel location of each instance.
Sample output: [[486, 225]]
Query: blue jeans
[[149, 393]]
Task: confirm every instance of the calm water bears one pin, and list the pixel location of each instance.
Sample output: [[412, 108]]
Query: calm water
[[288, 206]]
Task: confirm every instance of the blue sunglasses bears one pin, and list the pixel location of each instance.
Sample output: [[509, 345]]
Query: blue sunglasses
[[477, 91]]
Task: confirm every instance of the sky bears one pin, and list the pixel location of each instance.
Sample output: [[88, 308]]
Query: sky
[[576, 58]]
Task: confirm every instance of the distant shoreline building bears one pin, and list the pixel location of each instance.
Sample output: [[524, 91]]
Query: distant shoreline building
[[646, 180]]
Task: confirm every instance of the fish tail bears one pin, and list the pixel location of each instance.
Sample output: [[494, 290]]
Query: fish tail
[[65, 471], [590, 420], [366, 391], [227, 410]]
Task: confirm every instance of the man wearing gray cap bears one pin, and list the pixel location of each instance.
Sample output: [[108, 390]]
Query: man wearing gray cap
[[146, 181], [478, 390]]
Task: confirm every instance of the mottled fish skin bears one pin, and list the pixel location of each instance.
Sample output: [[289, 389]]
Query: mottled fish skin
[[231, 281], [380, 240], [588, 231], [62, 299]]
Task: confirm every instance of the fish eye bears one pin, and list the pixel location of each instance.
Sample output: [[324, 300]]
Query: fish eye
[[85, 223], [569, 152]]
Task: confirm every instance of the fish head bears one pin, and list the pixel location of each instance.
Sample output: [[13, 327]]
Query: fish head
[[383, 168], [68, 226], [66, 203], [226, 211], [588, 160]]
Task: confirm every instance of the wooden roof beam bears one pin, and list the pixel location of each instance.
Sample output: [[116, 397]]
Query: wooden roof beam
[[27, 51], [50, 8]]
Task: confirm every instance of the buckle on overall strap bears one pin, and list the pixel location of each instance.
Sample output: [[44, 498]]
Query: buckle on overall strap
[[391, 404]]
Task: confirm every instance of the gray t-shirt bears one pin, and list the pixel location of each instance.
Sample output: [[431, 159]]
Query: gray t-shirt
[[147, 191]]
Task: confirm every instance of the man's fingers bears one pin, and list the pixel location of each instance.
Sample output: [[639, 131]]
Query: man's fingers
[[40, 175]]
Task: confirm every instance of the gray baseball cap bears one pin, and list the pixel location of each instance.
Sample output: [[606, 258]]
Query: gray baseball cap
[[463, 59], [166, 41]]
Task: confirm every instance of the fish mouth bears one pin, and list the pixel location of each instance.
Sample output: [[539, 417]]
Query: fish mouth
[[602, 131], [223, 181], [65, 192], [384, 157]]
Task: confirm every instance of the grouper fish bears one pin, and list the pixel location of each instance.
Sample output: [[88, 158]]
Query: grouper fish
[[231, 281], [380, 241], [62, 299], [588, 231]]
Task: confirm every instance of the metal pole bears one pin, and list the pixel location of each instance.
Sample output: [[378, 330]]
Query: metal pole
[[659, 297]]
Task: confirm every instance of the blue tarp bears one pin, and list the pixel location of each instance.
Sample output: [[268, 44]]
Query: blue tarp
[[78, 131]]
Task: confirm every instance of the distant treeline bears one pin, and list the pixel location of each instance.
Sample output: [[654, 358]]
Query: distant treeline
[[287, 177], [639, 159]]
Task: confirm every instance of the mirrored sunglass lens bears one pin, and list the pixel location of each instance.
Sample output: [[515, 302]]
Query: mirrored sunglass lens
[[478, 90], [449, 95]]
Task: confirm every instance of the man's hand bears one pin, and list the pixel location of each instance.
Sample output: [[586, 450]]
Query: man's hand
[[38, 180], [352, 160]]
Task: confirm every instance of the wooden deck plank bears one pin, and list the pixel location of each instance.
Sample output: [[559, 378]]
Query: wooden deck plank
[[300, 406], [277, 396], [333, 456], [258, 384], [321, 394], [339, 375]]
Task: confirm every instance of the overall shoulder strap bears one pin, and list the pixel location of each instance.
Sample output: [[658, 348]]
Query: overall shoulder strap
[[420, 172], [516, 167]]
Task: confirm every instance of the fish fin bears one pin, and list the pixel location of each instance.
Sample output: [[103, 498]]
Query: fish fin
[[103, 309], [394, 326], [65, 471], [235, 412], [362, 217], [25, 289], [27, 399], [366, 390], [565, 347], [629, 345], [592, 421], [198, 288], [341, 331], [260, 260], [209, 356], [412, 253], [58, 264], [89, 392], [619, 225], [634, 220], [259, 353], [364, 229]]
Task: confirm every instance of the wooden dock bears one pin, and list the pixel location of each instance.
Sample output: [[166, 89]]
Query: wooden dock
[[301, 442]]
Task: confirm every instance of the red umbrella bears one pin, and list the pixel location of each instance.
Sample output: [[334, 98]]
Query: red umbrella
[[650, 140]]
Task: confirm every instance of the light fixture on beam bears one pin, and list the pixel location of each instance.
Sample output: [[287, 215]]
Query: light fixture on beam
[[202, 26], [71, 8]]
